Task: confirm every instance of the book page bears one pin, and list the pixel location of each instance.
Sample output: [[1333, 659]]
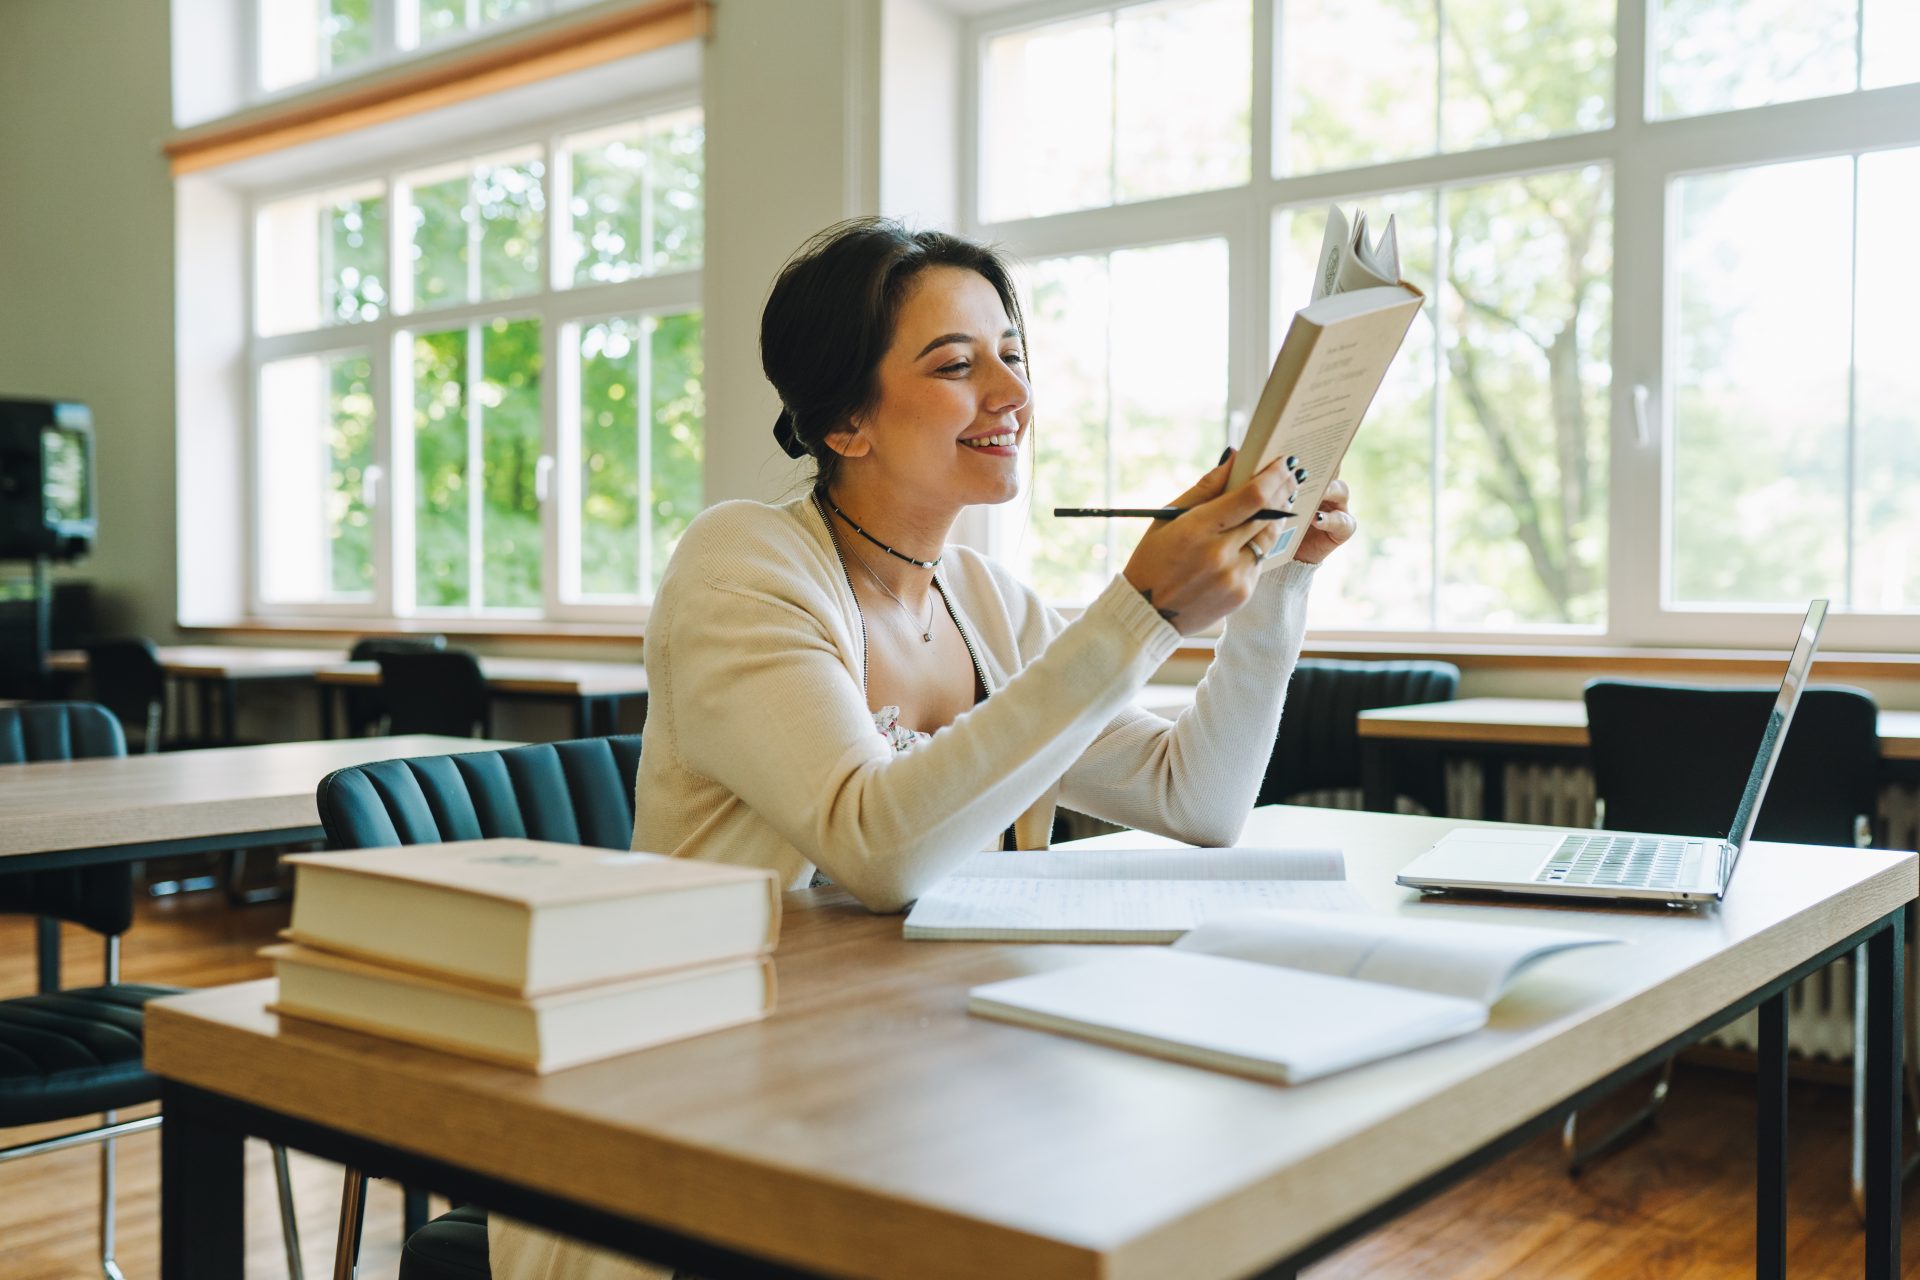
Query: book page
[[1271, 1023], [1448, 957], [1159, 864], [1065, 909]]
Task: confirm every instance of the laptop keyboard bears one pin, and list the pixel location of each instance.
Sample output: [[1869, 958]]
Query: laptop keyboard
[[1622, 862]]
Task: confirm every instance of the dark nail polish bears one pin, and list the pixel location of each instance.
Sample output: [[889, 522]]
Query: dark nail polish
[[1319, 517], [1292, 462], [1225, 454], [1300, 474]]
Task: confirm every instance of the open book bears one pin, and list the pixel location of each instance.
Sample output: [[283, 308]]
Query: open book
[[1122, 895], [1332, 363], [1285, 995]]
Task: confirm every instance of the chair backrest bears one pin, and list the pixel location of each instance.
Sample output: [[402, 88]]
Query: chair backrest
[[366, 705], [101, 898], [575, 792], [1673, 759], [1318, 747], [441, 692], [59, 731], [128, 680]]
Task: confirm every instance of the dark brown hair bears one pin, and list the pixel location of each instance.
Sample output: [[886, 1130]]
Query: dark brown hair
[[830, 319]]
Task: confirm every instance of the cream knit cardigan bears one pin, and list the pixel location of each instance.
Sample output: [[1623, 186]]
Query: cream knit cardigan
[[760, 748]]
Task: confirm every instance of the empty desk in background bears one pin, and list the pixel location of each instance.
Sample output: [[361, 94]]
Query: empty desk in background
[[69, 813], [218, 671], [1496, 731], [595, 689], [870, 1127]]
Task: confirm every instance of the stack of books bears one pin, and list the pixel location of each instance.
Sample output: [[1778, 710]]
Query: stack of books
[[539, 956]]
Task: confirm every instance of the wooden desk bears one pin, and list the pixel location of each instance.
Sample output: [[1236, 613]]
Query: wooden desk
[[871, 1128], [1555, 729], [68, 813], [217, 670], [594, 688]]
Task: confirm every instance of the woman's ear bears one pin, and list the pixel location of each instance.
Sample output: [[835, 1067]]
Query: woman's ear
[[849, 442]]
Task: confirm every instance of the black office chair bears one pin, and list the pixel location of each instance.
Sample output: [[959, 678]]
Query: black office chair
[[67, 1054], [577, 792], [128, 680], [1318, 747], [366, 705], [443, 693], [1674, 759]]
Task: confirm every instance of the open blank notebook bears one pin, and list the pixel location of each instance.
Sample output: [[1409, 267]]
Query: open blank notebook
[[1123, 895]]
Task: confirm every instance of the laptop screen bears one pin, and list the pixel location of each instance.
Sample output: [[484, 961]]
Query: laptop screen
[[1798, 667]]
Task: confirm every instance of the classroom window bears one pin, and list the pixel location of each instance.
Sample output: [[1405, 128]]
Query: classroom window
[[1101, 110], [1129, 355], [1368, 81], [1657, 327], [299, 42], [1796, 456], [637, 449], [322, 259], [518, 426], [1725, 55], [1491, 431], [315, 469]]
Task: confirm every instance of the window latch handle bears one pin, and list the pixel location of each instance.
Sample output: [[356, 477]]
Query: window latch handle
[[370, 477], [542, 477], [1642, 420]]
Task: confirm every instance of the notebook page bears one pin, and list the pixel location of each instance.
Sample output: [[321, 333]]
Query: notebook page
[[1158, 864], [1447, 957], [1040, 909]]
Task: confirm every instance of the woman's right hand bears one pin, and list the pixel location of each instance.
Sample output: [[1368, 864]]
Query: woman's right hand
[[1201, 566]]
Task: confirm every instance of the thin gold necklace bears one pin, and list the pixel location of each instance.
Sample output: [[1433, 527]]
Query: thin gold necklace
[[926, 632]]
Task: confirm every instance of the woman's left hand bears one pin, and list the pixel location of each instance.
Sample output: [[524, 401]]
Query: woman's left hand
[[1332, 525]]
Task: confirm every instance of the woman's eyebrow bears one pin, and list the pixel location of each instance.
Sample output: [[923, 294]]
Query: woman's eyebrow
[[962, 338]]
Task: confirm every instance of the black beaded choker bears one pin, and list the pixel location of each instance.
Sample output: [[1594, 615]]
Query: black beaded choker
[[897, 555]]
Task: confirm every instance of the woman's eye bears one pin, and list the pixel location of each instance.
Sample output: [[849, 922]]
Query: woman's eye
[[958, 366], [1013, 357]]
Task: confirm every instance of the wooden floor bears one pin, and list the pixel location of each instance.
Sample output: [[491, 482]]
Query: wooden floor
[[1675, 1204]]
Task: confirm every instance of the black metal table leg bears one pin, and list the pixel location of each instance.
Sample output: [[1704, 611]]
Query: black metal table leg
[[202, 1196], [46, 940], [415, 1210], [1770, 1131], [1886, 972], [1376, 775], [325, 693], [1493, 787], [229, 713]]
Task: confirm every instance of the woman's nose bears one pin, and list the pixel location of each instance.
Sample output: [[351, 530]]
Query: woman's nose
[[1008, 391]]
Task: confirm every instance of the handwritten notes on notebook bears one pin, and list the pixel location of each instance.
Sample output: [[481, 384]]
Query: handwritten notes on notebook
[[1123, 895]]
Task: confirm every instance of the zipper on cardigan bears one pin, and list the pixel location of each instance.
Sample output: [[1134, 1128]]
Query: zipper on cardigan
[[979, 670]]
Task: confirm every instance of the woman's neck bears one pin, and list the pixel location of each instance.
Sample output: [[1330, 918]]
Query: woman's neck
[[917, 534]]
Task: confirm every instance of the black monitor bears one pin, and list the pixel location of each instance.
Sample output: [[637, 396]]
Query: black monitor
[[47, 503]]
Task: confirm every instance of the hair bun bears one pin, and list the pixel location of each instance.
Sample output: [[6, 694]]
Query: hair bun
[[788, 439]]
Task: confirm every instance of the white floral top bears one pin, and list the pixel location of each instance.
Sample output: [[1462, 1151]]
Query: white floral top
[[887, 721]]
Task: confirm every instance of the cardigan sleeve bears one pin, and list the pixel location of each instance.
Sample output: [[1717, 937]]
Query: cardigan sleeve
[[761, 700], [1196, 778]]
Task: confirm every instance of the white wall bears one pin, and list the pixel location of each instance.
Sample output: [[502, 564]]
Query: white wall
[[86, 266], [792, 146]]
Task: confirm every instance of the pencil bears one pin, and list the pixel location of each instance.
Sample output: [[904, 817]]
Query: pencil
[[1159, 513]]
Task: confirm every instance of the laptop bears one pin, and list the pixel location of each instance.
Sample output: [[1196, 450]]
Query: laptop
[[1620, 865]]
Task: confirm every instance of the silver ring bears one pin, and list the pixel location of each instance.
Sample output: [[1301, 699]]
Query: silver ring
[[1258, 554]]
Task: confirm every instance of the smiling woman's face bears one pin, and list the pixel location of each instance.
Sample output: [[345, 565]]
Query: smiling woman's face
[[955, 373]]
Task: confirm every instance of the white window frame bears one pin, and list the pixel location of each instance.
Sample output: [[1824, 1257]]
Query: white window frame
[[389, 337], [1644, 157]]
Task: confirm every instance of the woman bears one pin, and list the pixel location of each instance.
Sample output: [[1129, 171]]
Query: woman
[[834, 687]]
